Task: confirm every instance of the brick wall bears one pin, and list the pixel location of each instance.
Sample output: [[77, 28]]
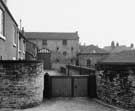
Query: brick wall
[[21, 84], [117, 88]]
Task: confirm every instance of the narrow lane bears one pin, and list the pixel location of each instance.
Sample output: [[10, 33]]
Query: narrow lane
[[69, 104]]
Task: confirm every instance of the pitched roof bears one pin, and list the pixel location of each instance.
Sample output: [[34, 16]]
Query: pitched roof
[[91, 49], [6, 8], [120, 58], [117, 49], [52, 35]]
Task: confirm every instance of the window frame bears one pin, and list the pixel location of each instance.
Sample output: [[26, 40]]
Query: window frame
[[64, 42], [44, 42], [14, 36], [88, 62], [2, 34]]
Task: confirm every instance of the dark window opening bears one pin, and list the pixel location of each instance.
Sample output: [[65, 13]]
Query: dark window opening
[[44, 42], [88, 63], [64, 53], [57, 48], [64, 42], [1, 22], [0, 57], [57, 60], [72, 48], [71, 60]]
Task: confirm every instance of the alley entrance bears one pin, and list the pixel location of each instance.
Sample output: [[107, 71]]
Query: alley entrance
[[70, 86], [45, 56]]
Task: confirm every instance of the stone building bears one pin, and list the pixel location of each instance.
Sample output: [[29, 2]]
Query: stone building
[[63, 46], [21, 46], [90, 55], [31, 51], [9, 36]]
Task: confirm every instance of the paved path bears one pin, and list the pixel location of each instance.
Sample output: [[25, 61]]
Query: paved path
[[69, 104]]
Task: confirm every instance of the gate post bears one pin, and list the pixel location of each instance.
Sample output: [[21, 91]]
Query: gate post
[[47, 89], [92, 90]]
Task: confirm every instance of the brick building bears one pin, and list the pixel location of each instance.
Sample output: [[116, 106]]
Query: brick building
[[9, 36], [63, 46]]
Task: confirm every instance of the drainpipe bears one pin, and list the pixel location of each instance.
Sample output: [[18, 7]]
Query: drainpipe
[[68, 69]]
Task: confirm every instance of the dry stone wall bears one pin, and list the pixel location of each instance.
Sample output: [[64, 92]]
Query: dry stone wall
[[117, 88], [21, 84]]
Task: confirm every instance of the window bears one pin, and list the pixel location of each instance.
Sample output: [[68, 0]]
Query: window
[[88, 63], [64, 53], [64, 42], [20, 44], [14, 36], [72, 48], [44, 42], [2, 24], [57, 60], [57, 49], [0, 57], [23, 46], [71, 60]]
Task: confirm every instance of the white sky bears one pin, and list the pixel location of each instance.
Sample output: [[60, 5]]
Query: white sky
[[97, 21]]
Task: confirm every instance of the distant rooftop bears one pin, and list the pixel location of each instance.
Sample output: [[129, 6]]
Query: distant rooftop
[[118, 48], [120, 58], [91, 49], [52, 35]]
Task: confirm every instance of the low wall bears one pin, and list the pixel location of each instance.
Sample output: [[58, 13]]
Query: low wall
[[116, 88], [21, 84], [78, 70]]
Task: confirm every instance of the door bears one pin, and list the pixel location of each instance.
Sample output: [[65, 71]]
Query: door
[[45, 56], [80, 86]]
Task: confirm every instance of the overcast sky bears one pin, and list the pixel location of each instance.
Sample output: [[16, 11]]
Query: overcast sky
[[97, 21]]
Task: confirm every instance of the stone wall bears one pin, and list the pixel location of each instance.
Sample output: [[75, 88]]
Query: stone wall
[[21, 84], [116, 88]]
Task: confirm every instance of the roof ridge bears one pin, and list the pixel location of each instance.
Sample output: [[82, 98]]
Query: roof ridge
[[50, 32]]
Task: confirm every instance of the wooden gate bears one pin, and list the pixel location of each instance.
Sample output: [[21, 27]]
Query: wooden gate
[[80, 86], [61, 86], [45, 56], [72, 86]]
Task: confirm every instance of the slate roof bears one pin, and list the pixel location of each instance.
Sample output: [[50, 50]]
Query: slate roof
[[120, 58], [52, 35], [91, 49]]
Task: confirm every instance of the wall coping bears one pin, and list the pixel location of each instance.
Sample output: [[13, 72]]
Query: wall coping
[[78, 67], [19, 61]]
